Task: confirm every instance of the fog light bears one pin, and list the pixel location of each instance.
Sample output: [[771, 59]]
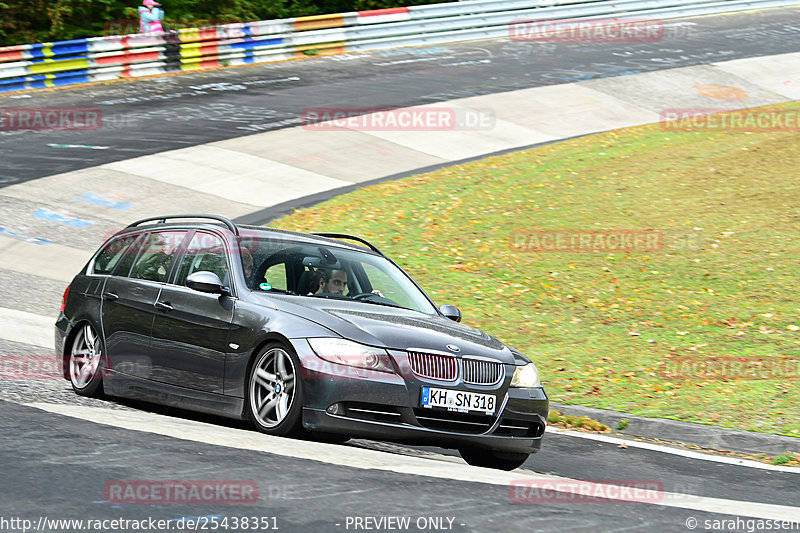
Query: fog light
[[335, 409]]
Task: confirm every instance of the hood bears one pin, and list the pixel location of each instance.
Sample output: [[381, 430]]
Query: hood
[[398, 329]]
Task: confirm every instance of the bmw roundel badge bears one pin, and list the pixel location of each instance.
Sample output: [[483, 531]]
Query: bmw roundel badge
[[453, 348]]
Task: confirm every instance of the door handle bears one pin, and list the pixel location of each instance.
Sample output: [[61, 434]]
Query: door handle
[[164, 306], [110, 296]]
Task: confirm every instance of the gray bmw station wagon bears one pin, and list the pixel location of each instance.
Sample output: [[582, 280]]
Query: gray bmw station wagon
[[301, 334]]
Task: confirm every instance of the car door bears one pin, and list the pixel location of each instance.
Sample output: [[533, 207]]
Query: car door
[[101, 267], [129, 298], [191, 328]]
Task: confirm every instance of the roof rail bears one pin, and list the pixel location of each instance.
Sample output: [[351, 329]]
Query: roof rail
[[352, 238], [161, 220]]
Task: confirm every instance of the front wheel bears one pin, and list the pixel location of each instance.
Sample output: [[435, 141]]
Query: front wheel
[[492, 459], [275, 391], [86, 363]]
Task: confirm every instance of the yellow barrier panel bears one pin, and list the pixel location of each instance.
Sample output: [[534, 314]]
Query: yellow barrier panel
[[327, 49], [57, 66], [318, 22], [189, 34], [191, 50]]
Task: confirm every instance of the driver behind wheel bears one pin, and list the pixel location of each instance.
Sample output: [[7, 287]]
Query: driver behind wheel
[[331, 281]]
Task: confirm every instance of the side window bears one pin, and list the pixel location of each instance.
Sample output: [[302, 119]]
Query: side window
[[156, 253], [275, 277], [112, 254], [128, 258], [206, 251]]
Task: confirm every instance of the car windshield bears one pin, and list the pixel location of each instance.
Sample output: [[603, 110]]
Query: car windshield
[[328, 271]]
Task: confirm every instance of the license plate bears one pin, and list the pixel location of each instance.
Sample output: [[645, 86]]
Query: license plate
[[457, 400]]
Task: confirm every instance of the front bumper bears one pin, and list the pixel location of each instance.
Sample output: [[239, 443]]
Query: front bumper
[[346, 400]]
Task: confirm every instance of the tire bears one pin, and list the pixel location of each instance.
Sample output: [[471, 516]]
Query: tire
[[86, 362], [492, 459], [274, 395]]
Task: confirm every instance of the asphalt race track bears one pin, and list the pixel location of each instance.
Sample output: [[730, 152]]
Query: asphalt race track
[[59, 468], [63, 456], [150, 116]]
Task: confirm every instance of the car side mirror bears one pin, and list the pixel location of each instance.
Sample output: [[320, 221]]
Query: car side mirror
[[451, 311], [205, 281]]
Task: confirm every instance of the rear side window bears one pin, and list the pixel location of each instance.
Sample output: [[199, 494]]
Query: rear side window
[[275, 277], [112, 254], [205, 252], [156, 254]]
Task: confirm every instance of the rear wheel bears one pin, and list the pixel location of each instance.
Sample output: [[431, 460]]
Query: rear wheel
[[86, 362], [492, 459], [275, 391]]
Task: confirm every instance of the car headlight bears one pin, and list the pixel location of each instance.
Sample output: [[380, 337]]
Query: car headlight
[[349, 353], [526, 376]]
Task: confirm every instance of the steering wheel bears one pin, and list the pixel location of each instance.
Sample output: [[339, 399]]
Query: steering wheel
[[363, 295]]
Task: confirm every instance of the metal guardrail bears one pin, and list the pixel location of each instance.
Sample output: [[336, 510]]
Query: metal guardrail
[[38, 65]]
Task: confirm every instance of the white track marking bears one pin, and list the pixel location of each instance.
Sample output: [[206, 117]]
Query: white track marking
[[369, 459], [677, 451], [27, 328]]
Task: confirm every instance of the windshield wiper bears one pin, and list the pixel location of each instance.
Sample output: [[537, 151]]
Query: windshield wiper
[[275, 291], [383, 303], [331, 296], [363, 300]]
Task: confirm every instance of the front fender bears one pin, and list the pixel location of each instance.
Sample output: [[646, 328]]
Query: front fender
[[255, 325]]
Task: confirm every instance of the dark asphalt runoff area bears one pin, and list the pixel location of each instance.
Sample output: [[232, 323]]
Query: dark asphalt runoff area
[[58, 467], [141, 117]]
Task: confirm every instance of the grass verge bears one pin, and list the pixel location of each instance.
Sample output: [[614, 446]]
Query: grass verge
[[583, 423], [704, 326]]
